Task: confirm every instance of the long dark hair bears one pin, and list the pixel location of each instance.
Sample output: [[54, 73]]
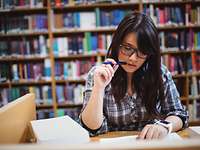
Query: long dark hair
[[147, 80]]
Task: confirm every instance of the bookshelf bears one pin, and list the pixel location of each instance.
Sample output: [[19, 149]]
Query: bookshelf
[[65, 23]]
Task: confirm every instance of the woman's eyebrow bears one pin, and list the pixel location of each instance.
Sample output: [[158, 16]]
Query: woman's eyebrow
[[130, 45]]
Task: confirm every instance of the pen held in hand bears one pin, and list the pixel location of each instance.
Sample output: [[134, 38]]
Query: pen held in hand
[[118, 63]]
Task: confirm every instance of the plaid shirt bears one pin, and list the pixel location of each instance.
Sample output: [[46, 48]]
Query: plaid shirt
[[130, 114]]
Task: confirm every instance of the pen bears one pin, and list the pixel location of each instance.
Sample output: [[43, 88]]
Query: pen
[[118, 63]]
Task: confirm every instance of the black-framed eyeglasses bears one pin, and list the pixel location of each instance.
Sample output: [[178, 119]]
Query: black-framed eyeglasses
[[129, 51]]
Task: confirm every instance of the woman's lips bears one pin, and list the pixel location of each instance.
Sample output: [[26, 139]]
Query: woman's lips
[[132, 65]]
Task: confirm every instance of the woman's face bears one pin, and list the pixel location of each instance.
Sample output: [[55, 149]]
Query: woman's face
[[129, 53]]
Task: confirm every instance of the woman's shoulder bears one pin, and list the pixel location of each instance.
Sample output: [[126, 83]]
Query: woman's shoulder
[[166, 75]]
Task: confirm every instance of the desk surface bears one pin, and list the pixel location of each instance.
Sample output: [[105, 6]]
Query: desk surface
[[191, 142]]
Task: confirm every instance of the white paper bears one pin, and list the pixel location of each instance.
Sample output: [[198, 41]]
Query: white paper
[[133, 138], [196, 129], [59, 130]]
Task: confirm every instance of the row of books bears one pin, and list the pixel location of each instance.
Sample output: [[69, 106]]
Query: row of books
[[61, 3], [49, 113], [193, 109], [97, 18], [15, 4], [166, 15], [43, 94], [69, 94], [72, 112], [180, 65], [45, 113], [180, 40], [78, 69], [9, 94], [23, 23], [24, 47], [163, 16], [73, 70], [194, 86], [90, 43], [65, 94], [174, 64], [28, 71]]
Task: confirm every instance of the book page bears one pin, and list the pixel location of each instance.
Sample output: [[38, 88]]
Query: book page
[[128, 139], [196, 129]]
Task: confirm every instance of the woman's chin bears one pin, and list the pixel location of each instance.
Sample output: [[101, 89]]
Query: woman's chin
[[130, 69]]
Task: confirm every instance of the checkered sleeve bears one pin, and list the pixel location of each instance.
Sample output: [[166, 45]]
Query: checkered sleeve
[[86, 95], [172, 104]]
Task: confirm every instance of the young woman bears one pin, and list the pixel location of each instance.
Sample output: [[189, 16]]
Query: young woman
[[132, 90]]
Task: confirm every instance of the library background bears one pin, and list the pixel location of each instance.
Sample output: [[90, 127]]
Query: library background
[[48, 46]]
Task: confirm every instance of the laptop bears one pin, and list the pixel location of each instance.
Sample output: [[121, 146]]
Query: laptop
[[15, 119]]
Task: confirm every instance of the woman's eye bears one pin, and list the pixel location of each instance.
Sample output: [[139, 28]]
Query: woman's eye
[[128, 49]]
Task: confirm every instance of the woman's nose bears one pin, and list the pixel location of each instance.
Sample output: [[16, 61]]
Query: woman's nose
[[133, 57]]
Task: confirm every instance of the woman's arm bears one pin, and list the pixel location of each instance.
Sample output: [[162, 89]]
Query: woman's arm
[[92, 115], [172, 108]]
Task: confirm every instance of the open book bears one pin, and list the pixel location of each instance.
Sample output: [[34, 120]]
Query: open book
[[59, 130], [133, 138]]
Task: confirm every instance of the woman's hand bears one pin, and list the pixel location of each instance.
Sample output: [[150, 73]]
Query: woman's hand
[[103, 74], [153, 131]]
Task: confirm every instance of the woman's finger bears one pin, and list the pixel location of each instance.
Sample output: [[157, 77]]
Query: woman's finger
[[149, 133], [111, 70], [156, 133], [144, 132]]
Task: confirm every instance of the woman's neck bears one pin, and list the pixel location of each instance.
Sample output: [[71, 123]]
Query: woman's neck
[[129, 84]]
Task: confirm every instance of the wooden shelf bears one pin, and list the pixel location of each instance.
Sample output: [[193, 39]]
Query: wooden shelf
[[173, 2], [193, 74], [4, 84], [183, 98], [179, 27], [31, 82], [194, 97], [179, 76], [26, 10], [97, 5], [186, 75], [32, 33], [21, 58], [79, 56], [177, 52], [111, 29], [44, 106], [70, 81], [69, 105], [78, 30]]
